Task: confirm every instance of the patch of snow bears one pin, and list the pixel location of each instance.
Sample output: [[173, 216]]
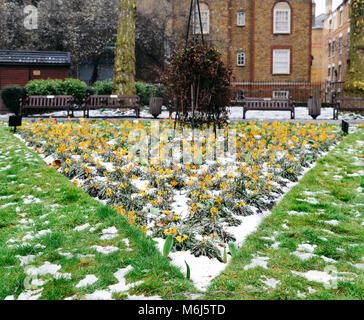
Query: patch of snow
[[89, 280], [105, 250], [258, 262], [109, 233], [332, 222], [271, 282], [99, 295], [81, 228]]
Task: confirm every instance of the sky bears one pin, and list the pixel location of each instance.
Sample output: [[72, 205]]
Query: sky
[[320, 5]]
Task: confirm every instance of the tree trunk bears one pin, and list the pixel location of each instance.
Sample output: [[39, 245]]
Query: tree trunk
[[95, 73], [124, 67], [354, 85]]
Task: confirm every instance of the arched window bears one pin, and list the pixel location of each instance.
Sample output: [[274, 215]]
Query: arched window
[[205, 18], [241, 59], [282, 18]]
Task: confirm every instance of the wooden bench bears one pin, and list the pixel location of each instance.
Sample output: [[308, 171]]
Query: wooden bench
[[111, 102], [347, 104], [274, 104], [50, 103]]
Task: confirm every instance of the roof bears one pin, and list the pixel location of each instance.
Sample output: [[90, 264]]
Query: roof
[[34, 57], [319, 21]]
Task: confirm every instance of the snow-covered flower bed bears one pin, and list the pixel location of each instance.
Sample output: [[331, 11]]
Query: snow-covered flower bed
[[205, 204]]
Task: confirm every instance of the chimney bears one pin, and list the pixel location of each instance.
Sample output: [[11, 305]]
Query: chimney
[[328, 7], [313, 13]]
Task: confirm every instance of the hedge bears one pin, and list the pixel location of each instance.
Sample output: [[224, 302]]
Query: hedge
[[11, 96], [76, 87]]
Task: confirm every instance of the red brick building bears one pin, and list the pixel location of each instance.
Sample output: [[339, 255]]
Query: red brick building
[[19, 67], [267, 43]]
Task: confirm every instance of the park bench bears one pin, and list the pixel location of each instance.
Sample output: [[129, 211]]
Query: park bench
[[48, 103], [347, 104], [111, 102], [273, 104]]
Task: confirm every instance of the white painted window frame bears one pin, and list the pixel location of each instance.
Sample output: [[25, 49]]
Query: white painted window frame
[[240, 18], [274, 61], [238, 59], [275, 12], [277, 94]]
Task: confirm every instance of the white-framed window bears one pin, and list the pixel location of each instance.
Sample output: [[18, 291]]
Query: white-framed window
[[341, 17], [281, 61], [241, 18], [329, 50], [340, 71], [205, 19], [282, 18], [240, 59], [333, 47], [280, 94], [341, 44], [240, 95]]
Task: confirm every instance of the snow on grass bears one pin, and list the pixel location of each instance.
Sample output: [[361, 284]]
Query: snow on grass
[[332, 222], [109, 233], [105, 250], [270, 282], [88, 280], [83, 227], [258, 262]]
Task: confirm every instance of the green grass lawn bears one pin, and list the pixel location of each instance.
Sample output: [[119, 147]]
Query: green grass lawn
[[50, 226], [312, 246]]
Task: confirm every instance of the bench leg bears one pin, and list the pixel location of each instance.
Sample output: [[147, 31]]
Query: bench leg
[[137, 111], [336, 114], [292, 115], [244, 114]]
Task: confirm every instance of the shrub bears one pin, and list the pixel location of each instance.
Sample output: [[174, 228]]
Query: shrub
[[44, 87], [74, 87], [200, 64], [103, 87], [69, 86], [11, 96], [143, 91]]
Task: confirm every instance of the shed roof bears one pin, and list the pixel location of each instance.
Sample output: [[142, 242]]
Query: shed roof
[[35, 57]]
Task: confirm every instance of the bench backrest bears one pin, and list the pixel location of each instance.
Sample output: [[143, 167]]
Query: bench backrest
[[350, 102], [112, 101], [267, 103], [48, 101]]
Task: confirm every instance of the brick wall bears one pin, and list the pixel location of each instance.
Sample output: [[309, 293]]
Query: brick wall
[[256, 38], [14, 75], [334, 31], [317, 53]]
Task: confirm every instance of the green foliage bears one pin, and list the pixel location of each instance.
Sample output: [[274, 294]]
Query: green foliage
[[74, 87], [143, 92], [225, 255], [188, 271], [70, 86], [44, 87], [232, 249], [168, 245], [11, 96], [103, 87], [146, 91]]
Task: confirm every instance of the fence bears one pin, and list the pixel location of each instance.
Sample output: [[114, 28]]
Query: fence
[[300, 92]]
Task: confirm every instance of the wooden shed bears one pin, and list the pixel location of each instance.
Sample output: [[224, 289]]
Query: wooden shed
[[19, 67]]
